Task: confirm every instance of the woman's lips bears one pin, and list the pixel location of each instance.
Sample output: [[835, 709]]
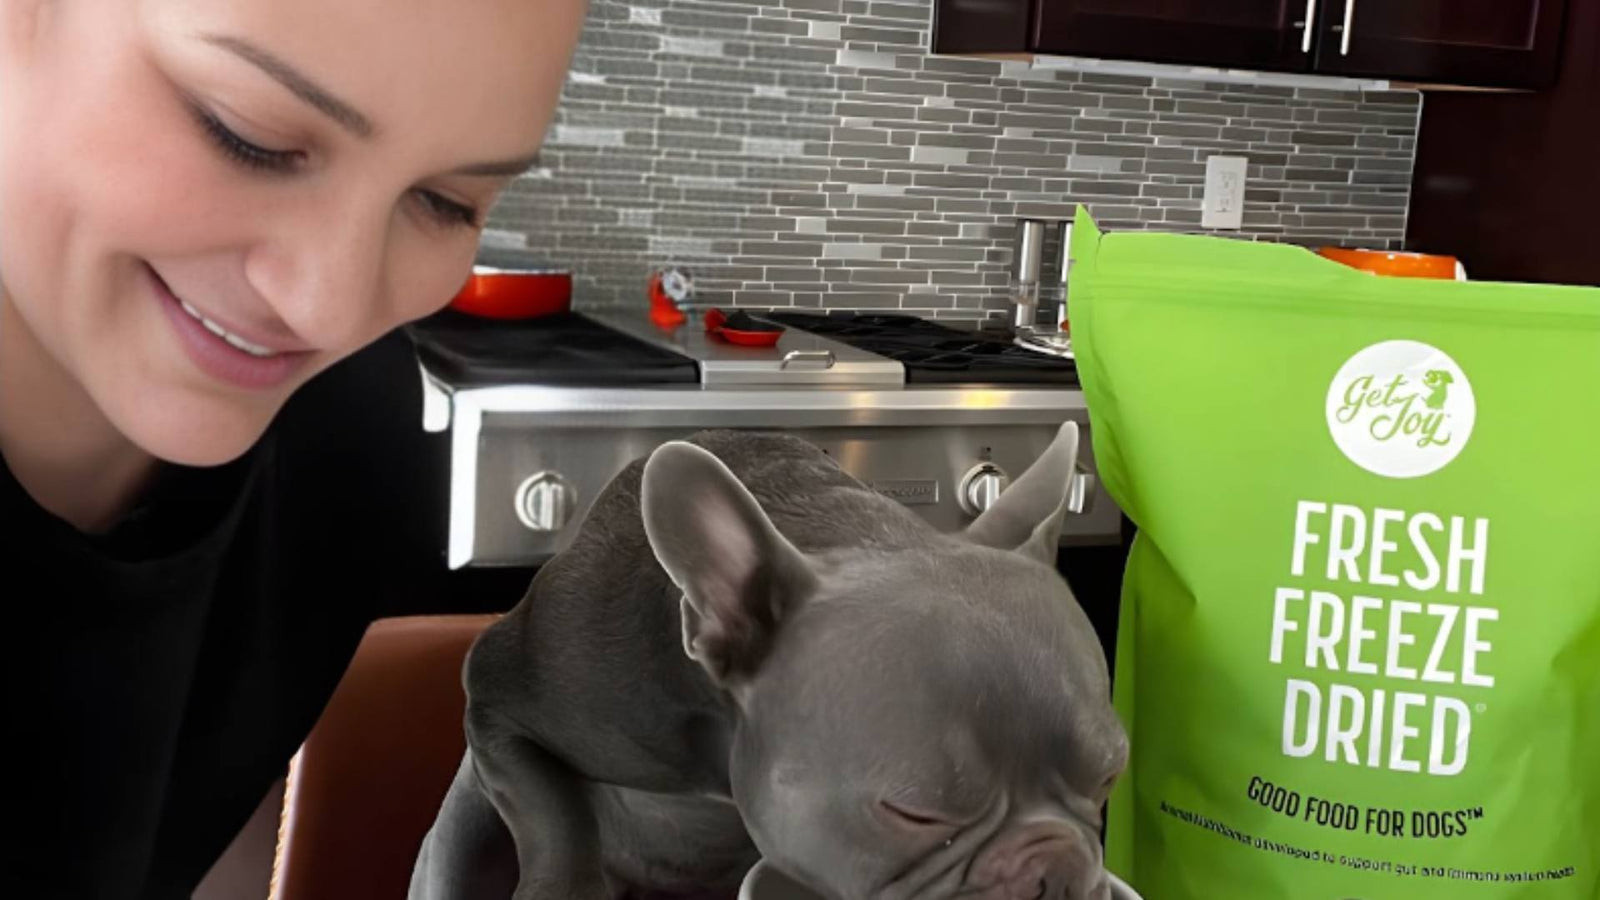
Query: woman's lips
[[215, 355]]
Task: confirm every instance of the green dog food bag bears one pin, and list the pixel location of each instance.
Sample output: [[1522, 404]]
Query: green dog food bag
[[1359, 653]]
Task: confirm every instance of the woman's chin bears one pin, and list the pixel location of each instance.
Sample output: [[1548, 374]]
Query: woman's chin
[[195, 433]]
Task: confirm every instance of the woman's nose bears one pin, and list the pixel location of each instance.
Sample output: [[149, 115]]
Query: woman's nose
[[326, 277]]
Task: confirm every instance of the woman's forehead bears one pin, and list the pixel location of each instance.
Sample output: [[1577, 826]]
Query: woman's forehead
[[408, 67]]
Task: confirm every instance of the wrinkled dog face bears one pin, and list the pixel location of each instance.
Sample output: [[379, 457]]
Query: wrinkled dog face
[[923, 723]]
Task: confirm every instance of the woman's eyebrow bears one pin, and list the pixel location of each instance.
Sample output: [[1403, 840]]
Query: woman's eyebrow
[[298, 83], [505, 167]]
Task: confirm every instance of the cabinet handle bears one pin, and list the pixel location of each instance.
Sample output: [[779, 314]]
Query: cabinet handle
[[1311, 15], [1344, 35]]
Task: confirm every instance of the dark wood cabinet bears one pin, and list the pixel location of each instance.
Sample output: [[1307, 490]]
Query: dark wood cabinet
[[1251, 34], [1506, 182], [982, 26], [1487, 43], [1496, 43]]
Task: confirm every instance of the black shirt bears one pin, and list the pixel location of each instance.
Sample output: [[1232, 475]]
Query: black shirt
[[160, 676]]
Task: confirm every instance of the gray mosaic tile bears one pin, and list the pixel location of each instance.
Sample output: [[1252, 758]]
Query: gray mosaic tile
[[811, 153]]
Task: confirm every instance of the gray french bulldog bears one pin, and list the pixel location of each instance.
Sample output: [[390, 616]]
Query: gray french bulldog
[[746, 652]]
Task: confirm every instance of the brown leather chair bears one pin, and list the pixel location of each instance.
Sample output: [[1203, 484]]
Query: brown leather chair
[[366, 785]]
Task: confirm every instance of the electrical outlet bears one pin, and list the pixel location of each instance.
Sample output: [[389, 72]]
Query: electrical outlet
[[1223, 206]]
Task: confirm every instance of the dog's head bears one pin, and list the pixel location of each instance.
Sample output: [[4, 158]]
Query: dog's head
[[922, 721]]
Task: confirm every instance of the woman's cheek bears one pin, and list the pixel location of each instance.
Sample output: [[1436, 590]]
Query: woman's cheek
[[171, 193], [430, 270]]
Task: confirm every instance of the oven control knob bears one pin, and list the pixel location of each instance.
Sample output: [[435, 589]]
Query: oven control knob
[[1080, 499], [981, 487], [544, 502]]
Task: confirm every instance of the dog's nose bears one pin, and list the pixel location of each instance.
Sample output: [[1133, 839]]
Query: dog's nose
[[1046, 859], [1096, 887], [1037, 873]]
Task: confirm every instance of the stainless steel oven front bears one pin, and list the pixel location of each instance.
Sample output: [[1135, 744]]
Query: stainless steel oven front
[[528, 461]]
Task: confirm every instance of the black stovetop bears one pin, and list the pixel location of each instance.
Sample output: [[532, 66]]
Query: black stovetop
[[569, 349], [573, 350], [933, 353]]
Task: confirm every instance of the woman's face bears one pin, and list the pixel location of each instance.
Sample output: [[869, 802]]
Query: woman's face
[[303, 175]]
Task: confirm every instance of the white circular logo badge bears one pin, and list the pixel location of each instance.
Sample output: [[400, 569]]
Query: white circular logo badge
[[1401, 409]]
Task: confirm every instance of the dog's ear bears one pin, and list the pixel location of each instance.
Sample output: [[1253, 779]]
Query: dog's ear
[[1027, 517], [739, 576]]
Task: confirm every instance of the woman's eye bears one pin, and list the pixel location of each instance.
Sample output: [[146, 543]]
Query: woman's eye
[[254, 156], [447, 211], [244, 152]]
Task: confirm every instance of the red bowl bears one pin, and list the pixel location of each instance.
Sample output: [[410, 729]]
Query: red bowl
[[515, 294], [750, 338], [716, 324]]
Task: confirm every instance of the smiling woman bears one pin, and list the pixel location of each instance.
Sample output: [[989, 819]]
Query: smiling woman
[[205, 205]]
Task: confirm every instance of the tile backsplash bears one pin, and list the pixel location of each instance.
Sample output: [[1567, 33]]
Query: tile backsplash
[[812, 153]]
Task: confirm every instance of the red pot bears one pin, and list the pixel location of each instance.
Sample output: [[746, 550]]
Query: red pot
[[515, 293]]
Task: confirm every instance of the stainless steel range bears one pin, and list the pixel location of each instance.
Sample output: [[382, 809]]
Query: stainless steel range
[[543, 413]]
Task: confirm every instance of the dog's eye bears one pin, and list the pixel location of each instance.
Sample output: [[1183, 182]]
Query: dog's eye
[[912, 817]]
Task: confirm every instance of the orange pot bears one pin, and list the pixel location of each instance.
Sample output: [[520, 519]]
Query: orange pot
[[1394, 262]]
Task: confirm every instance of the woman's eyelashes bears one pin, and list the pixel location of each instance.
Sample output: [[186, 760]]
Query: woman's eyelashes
[[243, 152], [441, 209], [447, 211]]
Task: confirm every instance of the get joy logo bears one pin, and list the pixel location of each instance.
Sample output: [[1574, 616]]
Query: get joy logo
[[1401, 409]]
